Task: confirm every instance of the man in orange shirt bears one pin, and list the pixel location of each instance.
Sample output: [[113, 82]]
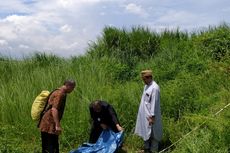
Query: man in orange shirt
[[50, 126]]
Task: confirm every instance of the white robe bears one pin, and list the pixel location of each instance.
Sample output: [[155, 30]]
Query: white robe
[[149, 106]]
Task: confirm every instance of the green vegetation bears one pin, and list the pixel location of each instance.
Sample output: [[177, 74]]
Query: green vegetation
[[192, 70]]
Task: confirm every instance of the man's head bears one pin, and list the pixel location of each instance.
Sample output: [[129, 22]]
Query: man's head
[[96, 106], [147, 76], [69, 85]]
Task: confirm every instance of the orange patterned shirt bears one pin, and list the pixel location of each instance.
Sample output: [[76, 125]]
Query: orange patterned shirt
[[57, 100]]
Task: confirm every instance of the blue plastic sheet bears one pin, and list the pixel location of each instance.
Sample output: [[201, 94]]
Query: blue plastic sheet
[[108, 142]]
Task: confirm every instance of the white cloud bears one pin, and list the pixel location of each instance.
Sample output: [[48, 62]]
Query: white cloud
[[71, 46], [135, 9], [14, 6], [23, 46], [183, 20], [177, 17], [3, 43], [66, 28], [65, 3], [102, 13], [227, 9]]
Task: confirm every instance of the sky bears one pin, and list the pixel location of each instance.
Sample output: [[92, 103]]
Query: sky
[[66, 27]]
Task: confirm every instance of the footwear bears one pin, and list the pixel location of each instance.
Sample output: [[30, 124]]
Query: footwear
[[147, 151], [141, 151]]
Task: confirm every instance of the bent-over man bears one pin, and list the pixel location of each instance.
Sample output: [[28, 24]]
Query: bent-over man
[[103, 117], [50, 126]]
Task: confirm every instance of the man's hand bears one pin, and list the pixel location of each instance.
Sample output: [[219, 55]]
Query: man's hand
[[58, 130], [119, 128], [151, 120]]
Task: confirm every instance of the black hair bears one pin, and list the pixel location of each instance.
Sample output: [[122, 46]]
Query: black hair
[[70, 82]]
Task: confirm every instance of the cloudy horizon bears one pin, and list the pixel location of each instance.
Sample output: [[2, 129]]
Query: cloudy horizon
[[66, 27]]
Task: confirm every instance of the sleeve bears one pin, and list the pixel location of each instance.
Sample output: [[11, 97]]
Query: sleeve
[[155, 97], [91, 111], [56, 99], [113, 114]]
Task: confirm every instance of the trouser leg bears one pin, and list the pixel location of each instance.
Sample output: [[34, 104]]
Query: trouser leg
[[147, 145], [151, 145], [153, 142], [154, 145], [50, 143], [95, 133]]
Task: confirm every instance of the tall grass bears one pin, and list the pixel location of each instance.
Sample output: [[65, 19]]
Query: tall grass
[[194, 85]]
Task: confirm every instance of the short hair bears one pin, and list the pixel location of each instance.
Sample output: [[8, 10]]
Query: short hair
[[96, 105], [70, 82]]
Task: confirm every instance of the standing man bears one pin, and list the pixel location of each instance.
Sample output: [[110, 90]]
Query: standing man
[[103, 117], [148, 124], [50, 126]]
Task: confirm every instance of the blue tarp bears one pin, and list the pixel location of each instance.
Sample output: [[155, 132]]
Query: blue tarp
[[108, 142]]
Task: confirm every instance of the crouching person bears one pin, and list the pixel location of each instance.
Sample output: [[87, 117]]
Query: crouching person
[[103, 117]]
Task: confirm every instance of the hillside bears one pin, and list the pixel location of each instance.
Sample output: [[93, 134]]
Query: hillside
[[192, 69]]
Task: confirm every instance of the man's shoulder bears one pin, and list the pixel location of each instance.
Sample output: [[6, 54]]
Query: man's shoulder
[[57, 92], [155, 86], [105, 104]]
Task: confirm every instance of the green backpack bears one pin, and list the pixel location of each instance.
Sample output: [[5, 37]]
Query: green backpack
[[39, 105]]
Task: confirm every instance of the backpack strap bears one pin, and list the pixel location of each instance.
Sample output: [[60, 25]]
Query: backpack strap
[[46, 108]]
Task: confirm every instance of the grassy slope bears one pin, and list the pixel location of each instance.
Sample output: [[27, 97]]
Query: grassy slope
[[192, 71]]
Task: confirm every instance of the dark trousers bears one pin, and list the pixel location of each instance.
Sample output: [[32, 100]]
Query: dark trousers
[[95, 133], [49, 143]]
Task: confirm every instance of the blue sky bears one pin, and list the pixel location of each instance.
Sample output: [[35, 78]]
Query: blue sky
[[66, 27]]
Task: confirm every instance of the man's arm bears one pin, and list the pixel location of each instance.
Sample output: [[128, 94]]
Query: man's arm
[[55, 99], [155, 96], [56, 120], [114, 118]]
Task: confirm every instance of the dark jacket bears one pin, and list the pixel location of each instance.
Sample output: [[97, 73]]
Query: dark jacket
[[107, 116]]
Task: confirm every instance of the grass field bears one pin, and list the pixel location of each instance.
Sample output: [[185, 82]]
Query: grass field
[[192, 70]]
